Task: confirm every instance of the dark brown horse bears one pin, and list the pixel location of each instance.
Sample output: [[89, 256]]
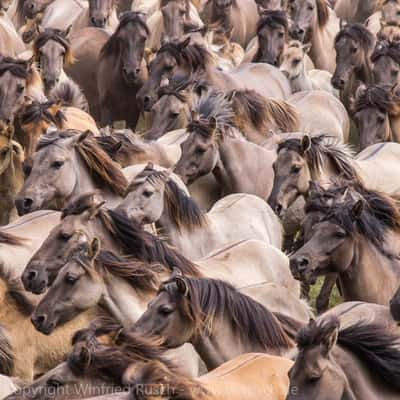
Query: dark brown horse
[[358, 362], [272, 32], [386, 59], [122, 71], [354, 45]]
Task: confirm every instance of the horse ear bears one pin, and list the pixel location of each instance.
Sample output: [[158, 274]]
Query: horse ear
[[357, 210], [184, 44], [330, 339], [306, 48], [212, 125], [175, 273], [117, 147], [82, 137], [67, 31], [84, 357], [182, 286], [94, 248], [305, 143], [195, 116], [231, 95], [40, 28], [95, 209], [361, 90], [18, 151], [164, 81]]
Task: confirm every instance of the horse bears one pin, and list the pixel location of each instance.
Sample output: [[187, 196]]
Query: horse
[[354, 46], [293, 65], [319, 158], [59, 15], [349, 237], [185, 59], [65, 164], [265, 5], [86, 45], [127, 148], [35, 119], [272, 32], [11, 177], [216, 319], [100, 14], [23, 9], [122, 71], [214, 146], [31, 29], [372, 110], [341, 361], [18, 80], [135, 362], [313, 23], [11, 43], [239, 14], [154, 198], [85, 220], [386, 63]]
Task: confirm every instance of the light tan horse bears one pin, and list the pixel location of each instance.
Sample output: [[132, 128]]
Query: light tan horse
[[154, 198], [293, 65], [356, 11], [317, 24], [11, 177]]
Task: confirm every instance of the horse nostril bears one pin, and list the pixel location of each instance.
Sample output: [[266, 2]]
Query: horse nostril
[[137, 70], [303, 263], [31, 6], [278, 209], [28, 202], [31, 275], [41, 319], [146, 100], [93, 21]]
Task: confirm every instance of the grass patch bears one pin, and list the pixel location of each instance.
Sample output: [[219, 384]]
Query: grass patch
[[314, 292]]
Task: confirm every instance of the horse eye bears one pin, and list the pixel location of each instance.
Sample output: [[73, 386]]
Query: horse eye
[[169, 67], [354, 49], [54, 383], [295, 169], [314, 379], [57, 164], [147, 193], [165, 310], [339, 235], [281, 34], [64, 236], [296, 61], [173, 114], [311, 7], [27, 170], [200, 150], [20, 89], [71, 279], [380, 120], [394, 72]]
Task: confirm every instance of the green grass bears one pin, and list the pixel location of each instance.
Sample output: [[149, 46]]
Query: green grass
[[314, 292]]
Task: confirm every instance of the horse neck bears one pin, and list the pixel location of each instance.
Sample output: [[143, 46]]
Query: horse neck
[[122, 301], [368, 261], [322, 51], [223, 344]]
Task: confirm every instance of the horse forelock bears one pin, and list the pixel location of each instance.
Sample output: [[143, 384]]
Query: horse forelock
[[375, 97], [387, 48], [56, 35], [274, 19], [359, 33]]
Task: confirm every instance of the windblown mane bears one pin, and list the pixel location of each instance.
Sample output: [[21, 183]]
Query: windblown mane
[[113, 46], [182, 209], [137, 242], [195, 55], [36, 111], [18, 68], [357, 32], [176, 87], [8, 238], [6, 354], [387, 49], [103, 169], [373, 96], [55, 35], [371, 343], [216, 105], [209, 299], [323, 148], [250, 106], [69, 94]]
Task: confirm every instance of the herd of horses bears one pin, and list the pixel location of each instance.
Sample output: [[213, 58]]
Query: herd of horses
[[176, 176]]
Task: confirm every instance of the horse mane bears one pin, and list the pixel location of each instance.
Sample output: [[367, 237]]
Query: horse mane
[[213, 104], [387, 48], [210, 299], [36, 111], [18, 68], [138, 274], [323, 12], [373, 96], [194, 54], [250, 106], [274, 19], [105, 350], [181, 208], [147, 247], [103, 169], [357, 32], [57, 36], [371, 343], [324, 148], [113, 44], [69, 94], [10, 239], [6, 354]]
